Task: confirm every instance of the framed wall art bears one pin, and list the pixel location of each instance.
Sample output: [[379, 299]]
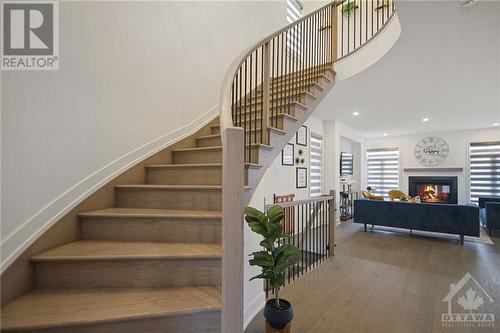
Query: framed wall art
[[301, 136], [288, 154], [301, 177]]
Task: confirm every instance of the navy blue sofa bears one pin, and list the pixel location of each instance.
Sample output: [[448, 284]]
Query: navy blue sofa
[[489, 209], [450, 219]]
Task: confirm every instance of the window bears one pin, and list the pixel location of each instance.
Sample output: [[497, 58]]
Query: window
[[316, 169], [383, 170], [294, 36], [484, 170], [293, 10]]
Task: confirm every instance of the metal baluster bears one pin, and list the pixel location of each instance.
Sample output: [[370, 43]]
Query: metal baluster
[[262, 62]]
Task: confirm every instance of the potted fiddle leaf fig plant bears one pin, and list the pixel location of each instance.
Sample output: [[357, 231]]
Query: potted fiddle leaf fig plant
[[273, 259], [349, 8]]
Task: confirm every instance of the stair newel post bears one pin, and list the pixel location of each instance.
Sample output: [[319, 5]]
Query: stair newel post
[[333, 222], [333, 30], [233, 174], [265, 92]]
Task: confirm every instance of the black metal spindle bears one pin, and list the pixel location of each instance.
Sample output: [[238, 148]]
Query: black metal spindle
[[273, 81], [295, 62], [302, 53], [305, 235], [262, 85], [248, 113], [366, 20], [354, 28], [257, 104], [245, 110], [360, 22], [282, 74], [311, 50], [288, 239], [313, 234], [372, 15], [289, 65], [378, 16], [325, 228], [316, 48]]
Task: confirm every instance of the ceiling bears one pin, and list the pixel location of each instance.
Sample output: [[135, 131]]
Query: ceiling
[[445, 67]]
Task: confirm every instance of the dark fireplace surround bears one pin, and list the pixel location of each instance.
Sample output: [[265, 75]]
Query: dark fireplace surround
[[434, 189]]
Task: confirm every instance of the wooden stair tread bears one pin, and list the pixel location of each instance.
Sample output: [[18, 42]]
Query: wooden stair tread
[[61, 308], [212, 136], [151, 212], [179, 187], [258, 145], [170, 187], [116, 250], [208, 165], [279, 115], [257, 107], [284, 94]]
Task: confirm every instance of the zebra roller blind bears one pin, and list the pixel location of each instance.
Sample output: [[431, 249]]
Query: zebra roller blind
[[316, 165], [484, 170], [293, 10], [382, 170]]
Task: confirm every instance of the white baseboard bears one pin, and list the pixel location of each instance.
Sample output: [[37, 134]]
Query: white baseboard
[[254, 308], [31, 229]]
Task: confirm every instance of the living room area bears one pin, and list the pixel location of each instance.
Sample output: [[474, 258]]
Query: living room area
[[450, 177], [413, 152], [416, 214]]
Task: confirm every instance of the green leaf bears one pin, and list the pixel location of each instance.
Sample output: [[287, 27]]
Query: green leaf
[[277, 280], [262, 259], [274, 210], [258, 228], [276, 218], [286, 256], [261, 276], [252, 212]]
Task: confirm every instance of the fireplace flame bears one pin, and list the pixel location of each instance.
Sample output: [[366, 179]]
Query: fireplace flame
[[429, 193]]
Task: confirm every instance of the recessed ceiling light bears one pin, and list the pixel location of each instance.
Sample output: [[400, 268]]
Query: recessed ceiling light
[[496, 124], [385, 134], [425, 120], [355, 113]]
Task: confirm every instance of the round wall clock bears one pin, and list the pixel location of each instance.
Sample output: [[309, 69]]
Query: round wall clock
[[431, 150]]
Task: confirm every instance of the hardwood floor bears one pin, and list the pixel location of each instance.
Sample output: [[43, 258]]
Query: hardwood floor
[[388, 282]]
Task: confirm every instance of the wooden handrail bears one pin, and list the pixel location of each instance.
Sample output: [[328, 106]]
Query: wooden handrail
[[300, 202]]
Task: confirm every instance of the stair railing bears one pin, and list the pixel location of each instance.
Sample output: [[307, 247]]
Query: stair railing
[[259, 86], [310, 226]]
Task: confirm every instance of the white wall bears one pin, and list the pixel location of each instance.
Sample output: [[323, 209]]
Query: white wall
[[337, 135], [280, 180], [458, 157], [133, 75]]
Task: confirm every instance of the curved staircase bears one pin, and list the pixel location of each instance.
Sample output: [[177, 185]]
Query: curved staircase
[[153, 262]]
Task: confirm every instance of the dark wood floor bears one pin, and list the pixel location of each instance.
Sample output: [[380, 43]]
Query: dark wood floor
[[382, 281]]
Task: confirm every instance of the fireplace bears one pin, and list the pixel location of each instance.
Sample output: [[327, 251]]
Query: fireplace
[[434, 189]]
